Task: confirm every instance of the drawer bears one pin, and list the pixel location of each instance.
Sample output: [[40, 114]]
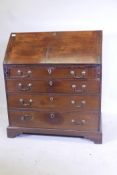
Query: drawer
[[63, 102], [55, 86], [56, 120], [43, 72]]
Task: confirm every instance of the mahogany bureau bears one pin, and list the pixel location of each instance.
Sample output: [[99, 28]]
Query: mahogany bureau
[[53, 83]]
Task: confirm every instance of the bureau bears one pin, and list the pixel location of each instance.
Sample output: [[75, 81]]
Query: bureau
[[53, 84]]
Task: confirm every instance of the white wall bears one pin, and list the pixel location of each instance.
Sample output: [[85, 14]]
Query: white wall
[[55, 15]]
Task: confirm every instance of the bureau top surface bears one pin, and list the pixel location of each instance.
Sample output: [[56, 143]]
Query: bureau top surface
[[83, 47]]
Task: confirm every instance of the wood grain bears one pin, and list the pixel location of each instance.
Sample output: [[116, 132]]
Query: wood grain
[[53, 83]]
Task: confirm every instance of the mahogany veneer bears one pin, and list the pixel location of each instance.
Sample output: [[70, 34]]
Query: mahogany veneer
[[53, 83]]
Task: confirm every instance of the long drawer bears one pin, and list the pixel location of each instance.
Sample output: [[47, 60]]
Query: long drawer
[[41, 72], [54, 86], [56, 120], [57, 102]]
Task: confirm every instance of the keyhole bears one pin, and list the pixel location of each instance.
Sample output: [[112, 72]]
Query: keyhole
[[51, 99]]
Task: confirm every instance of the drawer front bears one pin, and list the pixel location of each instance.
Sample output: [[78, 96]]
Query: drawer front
[[68, 120], [63, 102], [37, 72], [54, 86]]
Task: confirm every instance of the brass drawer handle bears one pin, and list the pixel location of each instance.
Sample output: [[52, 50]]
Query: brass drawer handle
[[78, 105], [73, 73], [26, 118], [81, 122], [23, 88], [22, 75], [23, 103], [74, 87]]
